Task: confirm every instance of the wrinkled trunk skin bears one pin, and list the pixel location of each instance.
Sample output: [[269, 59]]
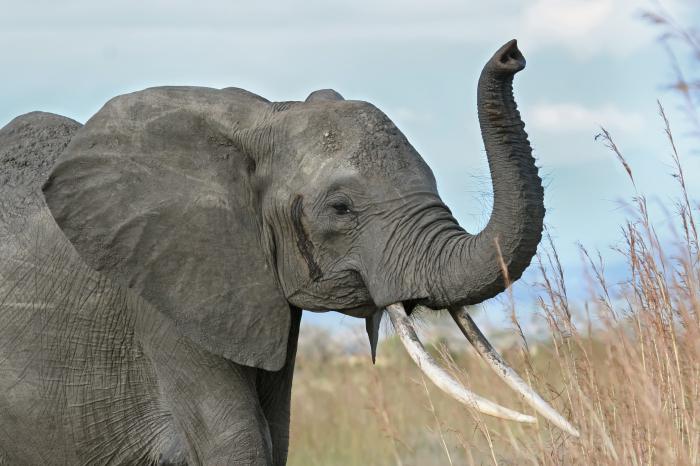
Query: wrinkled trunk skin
[[466, 269]]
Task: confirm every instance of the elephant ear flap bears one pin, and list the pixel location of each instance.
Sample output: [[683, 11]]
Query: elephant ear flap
[[165, 206]]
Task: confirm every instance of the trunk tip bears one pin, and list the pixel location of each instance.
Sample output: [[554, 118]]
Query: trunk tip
[[508, 58]]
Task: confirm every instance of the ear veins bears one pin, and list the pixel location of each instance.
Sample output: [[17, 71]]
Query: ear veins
[[305, 246]]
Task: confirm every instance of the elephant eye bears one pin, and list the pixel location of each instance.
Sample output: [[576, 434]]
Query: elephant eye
[[341, 208]]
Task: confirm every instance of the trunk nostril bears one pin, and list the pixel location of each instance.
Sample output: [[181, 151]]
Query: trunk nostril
[[509, 58]]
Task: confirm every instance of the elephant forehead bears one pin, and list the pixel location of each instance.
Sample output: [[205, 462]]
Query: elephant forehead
[[381, 148], [361, 136], [378, 147]]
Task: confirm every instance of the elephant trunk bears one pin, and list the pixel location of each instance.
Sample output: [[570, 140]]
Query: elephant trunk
[[468, 269]]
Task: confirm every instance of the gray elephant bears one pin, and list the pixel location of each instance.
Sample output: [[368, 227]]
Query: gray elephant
[[155, 262]]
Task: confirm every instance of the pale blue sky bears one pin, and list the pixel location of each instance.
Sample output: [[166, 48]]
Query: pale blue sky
[[590, 63]]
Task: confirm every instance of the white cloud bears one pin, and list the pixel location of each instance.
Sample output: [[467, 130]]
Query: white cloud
[[594, 27], [583, 27], [574, 117]]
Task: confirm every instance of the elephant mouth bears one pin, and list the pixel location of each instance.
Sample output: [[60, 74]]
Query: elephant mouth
[[446, 382]]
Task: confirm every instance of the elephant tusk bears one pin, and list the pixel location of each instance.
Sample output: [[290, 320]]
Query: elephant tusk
[[372, 324], [509, 376], [442, 378]]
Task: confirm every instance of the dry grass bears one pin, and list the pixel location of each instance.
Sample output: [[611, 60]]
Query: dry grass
[[624, 365]]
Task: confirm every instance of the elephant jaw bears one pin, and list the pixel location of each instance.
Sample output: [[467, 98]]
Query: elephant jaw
[[447, 383]]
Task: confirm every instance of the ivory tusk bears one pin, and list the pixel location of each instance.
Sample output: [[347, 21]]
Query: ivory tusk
[[442, 378], [509, 376]]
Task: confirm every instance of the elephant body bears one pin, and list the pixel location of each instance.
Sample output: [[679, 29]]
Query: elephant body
[[92, 374], [155, 261]]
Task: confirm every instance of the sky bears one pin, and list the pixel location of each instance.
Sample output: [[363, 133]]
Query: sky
[[590, 63]]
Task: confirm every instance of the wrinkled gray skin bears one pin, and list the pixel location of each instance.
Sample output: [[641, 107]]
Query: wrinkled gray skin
[[150, 300]]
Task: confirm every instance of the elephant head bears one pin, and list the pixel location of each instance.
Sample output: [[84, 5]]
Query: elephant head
[[223, 209]]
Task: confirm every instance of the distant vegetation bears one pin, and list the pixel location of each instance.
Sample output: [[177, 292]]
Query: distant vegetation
[[630, 383]]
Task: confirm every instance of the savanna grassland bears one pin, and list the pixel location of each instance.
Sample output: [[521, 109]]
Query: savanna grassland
[[623, 365]]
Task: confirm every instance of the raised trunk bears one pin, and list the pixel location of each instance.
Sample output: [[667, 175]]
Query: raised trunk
[[468, 268]]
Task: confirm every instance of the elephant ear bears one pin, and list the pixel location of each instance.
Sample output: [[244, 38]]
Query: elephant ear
[[156, 193]]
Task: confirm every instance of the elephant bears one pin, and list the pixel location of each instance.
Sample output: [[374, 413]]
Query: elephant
[[155, 263]]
